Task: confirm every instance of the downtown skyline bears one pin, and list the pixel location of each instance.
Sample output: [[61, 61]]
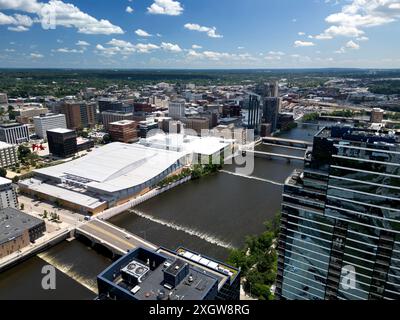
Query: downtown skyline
[[194, 35]]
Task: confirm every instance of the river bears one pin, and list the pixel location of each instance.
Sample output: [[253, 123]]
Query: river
[[218, 212], [210, 215]]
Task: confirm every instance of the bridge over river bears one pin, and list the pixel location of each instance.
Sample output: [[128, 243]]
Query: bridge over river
[[115, 239]]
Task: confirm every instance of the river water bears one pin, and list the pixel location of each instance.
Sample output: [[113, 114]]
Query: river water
[[77, 267], [218, 212], [210, 215]]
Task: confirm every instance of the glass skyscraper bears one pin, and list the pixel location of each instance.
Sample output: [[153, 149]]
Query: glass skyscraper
[[253, 112], [340, 226]]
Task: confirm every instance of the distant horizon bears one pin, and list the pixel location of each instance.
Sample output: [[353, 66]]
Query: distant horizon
[[201, 69], [204, 35]]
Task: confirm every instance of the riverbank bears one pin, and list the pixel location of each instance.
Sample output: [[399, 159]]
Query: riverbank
[[222, 206]]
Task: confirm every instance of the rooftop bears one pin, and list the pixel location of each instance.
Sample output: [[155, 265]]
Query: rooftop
[[349, 133], [186, 143], [4, 181], [164, 275], [14, 222], [60, 130], [5, 145], [115, 167], [11, 125], [121, 113], [122, 123], [80, 197], [49, 115]]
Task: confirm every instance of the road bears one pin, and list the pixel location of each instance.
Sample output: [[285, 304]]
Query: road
[[116, 237], [37, 208]]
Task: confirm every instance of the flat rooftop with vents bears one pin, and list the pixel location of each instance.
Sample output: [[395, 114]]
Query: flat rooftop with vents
[[166, 275], [18, 230]]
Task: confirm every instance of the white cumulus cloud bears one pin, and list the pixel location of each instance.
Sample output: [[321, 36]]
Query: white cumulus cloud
[[142, 33], [16, 22], [171, 47], [211, 31], [352, 45], [82, 43], [36, 55], [358, 15], [166, 7], [300, 43], [62, 14]]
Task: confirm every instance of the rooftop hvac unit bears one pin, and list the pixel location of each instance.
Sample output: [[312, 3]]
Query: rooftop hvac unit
[[134, 272]]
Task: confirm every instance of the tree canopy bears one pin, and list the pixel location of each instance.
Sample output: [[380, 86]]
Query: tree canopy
[[258, 261]]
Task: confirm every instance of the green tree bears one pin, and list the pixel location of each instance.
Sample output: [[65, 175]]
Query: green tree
[[3, 172], [23, 152], [106, 139], [311, 117], [258, 261], [238, 258]]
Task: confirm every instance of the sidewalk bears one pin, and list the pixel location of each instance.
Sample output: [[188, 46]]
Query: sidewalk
[[37, 208], [244, 296]]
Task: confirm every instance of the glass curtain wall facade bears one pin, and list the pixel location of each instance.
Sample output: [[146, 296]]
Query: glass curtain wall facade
[[341, 219]]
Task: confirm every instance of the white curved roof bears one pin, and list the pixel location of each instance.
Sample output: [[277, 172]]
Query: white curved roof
[[116, 166]]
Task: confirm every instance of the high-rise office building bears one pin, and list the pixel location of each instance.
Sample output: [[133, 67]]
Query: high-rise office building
[[143, 107], [146, 127], [271, 108], [271, 103], [8, 154], [47, 122], [125, 131], [268, 89], [62, 142], [14, 133], [113, 116], [176, 109], [8, 195], [112, 104], [79, 115], [3, 99], [212, 116], [340, 225], [252, 112], [26, 114], [197, 124]]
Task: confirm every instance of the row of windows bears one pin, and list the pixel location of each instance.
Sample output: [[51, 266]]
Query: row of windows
[[365, 210], [304, 286], [387, 149], [365, 186], [373, 224], [364, 198], [389, 181], [388, 160]]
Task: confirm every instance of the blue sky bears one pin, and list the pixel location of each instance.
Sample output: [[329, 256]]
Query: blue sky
[[200, 33]]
